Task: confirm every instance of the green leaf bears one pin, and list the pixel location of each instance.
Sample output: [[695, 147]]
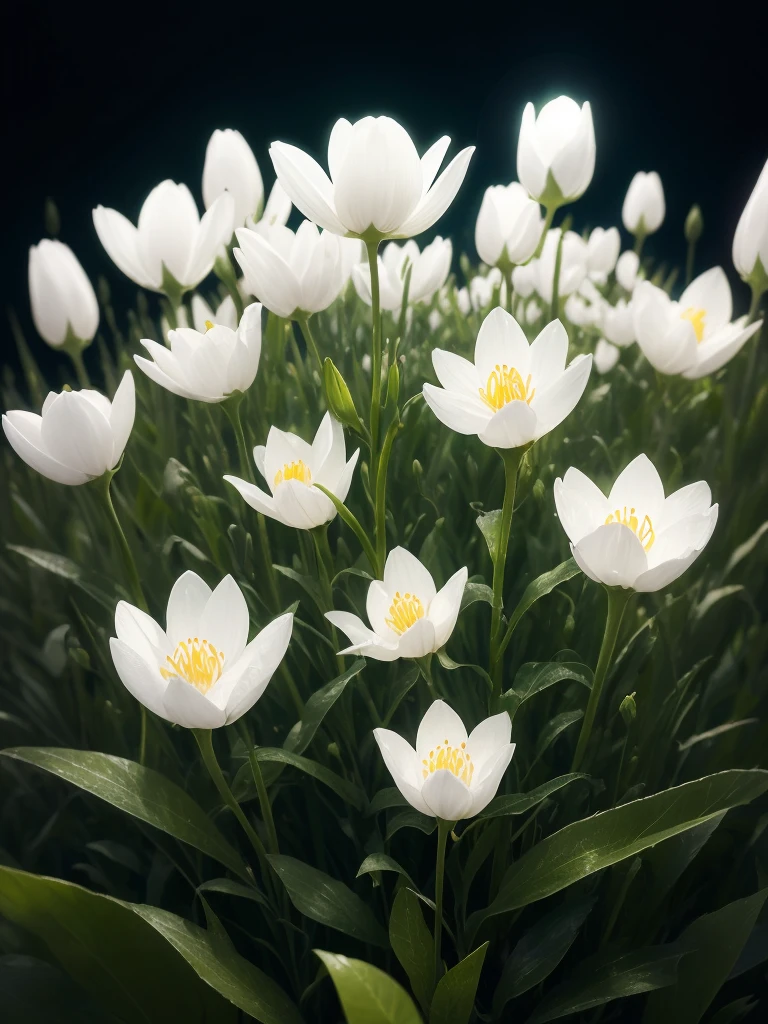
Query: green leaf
[[307, 583], [232, 888], [448, 663], [745, 549], [666, 862], [597, 842], [712, 945], [539, 951], [490, 527], [411, 819], [754, 952], [735, 1011], [535, 676], [37, 992], [519, 803], [610, 976], [278, 755], [66, 569], [318, 706], [383, 862], [386, 798], [537, 589], [413, 944], [368, 995], [552, 730], [140, 791], [474, 592], [327, 901], [454, 998], [715, 597]]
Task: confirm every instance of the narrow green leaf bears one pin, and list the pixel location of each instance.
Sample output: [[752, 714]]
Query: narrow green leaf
[[735, 1011], [490, 527], [413, 944], [535, 676], [386, 798], [307, 584], [318, 706], [66, 569], [411, 819], [537, 589], [520, 803], [245, 788], [383, 862], [454, 998], [552, 730], [474, 592], [232, 888], [368, 995]]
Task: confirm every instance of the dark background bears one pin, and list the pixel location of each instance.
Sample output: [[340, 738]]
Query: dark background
[[101, 103]]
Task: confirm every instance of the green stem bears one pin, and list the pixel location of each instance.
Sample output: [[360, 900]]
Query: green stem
[[507, 274], [309, 340], [639, 242], [324, 559], [76, 355], [372, 249], [549, 214], [618, 599], [512, 458], [556, 279], [425, 667], [757, 294], [134, 581], [231, 407], [443, 828], [689, 262], [266, 806], [354, 524], [380, 527]]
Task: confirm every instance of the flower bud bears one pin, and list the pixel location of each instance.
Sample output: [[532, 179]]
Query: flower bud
[[64, 306], [694, 225], [750, 243], [393, 385], [339, 398], [628, 709], [643, 210]]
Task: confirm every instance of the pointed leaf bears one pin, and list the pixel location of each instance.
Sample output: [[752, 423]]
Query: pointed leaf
[[318, 706], [413, 944], [454, 998], [368, 995], [520, 803]]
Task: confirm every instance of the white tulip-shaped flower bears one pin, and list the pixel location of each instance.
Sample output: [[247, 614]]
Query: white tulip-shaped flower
[[294, 275], [378, 187], [524, 279], [208, 365], [64, 306], [573, 264], [171, 237], [508, 225], [750, 243], [627, 270], [693, 336], [450, 775], [230, 166], [409, 617], [606, 356], [556, 151], [80, 435], [635, 538], [602, 252], [292, 467], [429, 271], [581, 312], [200, 672], [618, 323], [643, 209], [225, 314], [513, 393]]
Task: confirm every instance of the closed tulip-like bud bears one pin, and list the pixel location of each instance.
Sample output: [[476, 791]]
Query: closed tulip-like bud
[[635, 538], [602, 252], [64, 306], [199, 672], [606, 356], [556, 151], [628, 709], [339, 398], [393, 384], [79, 436], [230, 166], [428, 270], [618, 323], [357, 199], [643, 209], [449, 774], [694, 225], [508, 225], [750, 243], [627, 267]]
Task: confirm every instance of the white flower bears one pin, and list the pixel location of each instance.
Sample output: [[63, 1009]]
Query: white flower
[[602, 252], [207, 365], [556, 151], [618, 323], [80, 435], [428, 274], [581, 312], [449, 775], [606, 356], [508, 225], [627, 267], [573, 264], [277, 210], [292, 467], [524, 279], [225, 314], [292, 274], [377, 185], [200, 672], [635, 538], [352, 253], [643, 209], [513, 393], [409, 618], [463, 301], [750, 243], [170, 237], [230, 166], [63, 302], [481, 291], [694, 336], [532, 311]]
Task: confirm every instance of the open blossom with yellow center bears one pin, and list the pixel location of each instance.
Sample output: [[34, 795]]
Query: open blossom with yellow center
[[450, 774], [294, 471], [513, 393], [192, 682], [409, 617], [697, 318], [636, 537]]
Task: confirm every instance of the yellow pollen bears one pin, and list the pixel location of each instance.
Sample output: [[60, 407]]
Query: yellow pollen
[[208, 326], [642, 530], [403, 612], [294, 471], [697, 318], [196, 662], [505, 385], [455, 760]]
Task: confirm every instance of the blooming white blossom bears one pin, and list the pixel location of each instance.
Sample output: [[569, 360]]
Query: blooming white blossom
[[603, 247], [171, 237], [292, 274], [225, 314], [377, 185], [627, 270], [230, 166], [450, 775], [292, 467], [508, 225], [513, 393], [408, 616], [693, 336], [207, 365], [556, 151], [429, 271], [64, 306], [643, 209], [750, 243], [617, 323], [635, 538], [79, 436], [199, 672], [606, 356]]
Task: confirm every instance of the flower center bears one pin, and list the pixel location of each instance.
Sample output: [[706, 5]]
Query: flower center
[[697, 318], [403, 612], [642, 530], [208, 326], [455, 760], [505, 384], [294, 471], [196, 662]]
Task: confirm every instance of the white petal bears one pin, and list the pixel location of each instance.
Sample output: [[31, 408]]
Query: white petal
[[638, 486], [444, 609], [142, 679], [440, 196], [122, 415], [19, 427], [76, 434], [404, 573], [402, 762], [120, 238], [557, 401], [446, 796], [612, 555], [515, 424], [418, 640], [307, 184], [186, 604], [255, 497], [224, 620], [487, 740], [465, 414], [302, 507], [440, 726], [581, 505], [687, 501], [184, 705], [456, 373], [484, 790], [501, 340], [264, 654], [710, 291], [547, 355]]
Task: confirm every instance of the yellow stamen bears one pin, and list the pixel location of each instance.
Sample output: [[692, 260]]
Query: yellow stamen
[[404, 611], [295, 471], [697, 318], [196, 662], [208, 326], [642, 530], [505, 384], [455, 760]]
